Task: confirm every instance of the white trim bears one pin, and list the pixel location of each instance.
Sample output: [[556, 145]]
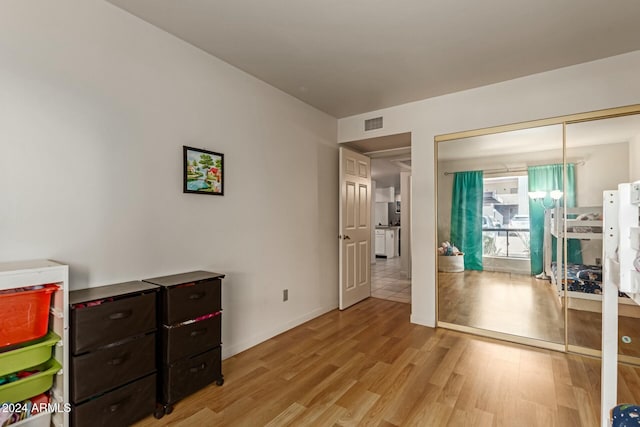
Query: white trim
[[516, 339], [229, 351]]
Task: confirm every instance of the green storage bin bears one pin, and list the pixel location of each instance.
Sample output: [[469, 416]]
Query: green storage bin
[[32, 385], [28, 356]]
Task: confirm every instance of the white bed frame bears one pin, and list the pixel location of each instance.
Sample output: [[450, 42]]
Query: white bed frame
[[621, 246], [571, 229], [557, 226]]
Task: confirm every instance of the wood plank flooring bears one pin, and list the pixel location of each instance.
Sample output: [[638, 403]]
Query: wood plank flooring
[[369, 366], [585, 330], [525, 306], [510, 303]]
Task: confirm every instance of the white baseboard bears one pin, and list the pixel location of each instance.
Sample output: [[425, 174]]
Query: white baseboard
[[233, 349]]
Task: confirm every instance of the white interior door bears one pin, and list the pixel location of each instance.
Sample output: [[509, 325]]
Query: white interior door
[[355, 227]]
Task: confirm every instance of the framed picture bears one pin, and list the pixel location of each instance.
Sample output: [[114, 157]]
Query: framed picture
[[203, 171]]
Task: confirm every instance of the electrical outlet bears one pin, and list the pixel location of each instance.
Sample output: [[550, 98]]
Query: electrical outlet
[[285, 295]]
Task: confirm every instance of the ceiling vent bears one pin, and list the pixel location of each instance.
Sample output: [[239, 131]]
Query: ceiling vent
[[372, 124]]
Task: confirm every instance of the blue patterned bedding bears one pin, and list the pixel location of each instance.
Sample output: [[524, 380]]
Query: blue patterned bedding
[[584, 278]]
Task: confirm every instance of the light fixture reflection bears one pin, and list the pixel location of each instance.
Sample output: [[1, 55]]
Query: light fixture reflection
[[541, 197]]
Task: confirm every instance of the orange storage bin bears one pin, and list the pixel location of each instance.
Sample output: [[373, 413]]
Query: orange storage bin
[[24, 315]]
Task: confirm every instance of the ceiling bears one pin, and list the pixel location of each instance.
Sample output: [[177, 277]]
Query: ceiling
[[381, 146], [356, 56]]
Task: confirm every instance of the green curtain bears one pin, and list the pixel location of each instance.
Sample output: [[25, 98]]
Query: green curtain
[[466, 217], [548, 178]]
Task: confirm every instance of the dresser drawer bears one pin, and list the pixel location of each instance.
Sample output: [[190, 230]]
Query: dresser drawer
[[113, 366], [120, 407], [190, 375], [194, 338], [188, 301], [111, 321]]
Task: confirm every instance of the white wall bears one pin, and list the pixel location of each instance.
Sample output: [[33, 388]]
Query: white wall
[[605, 166], [95, 106], [634, 159], [591, 86]]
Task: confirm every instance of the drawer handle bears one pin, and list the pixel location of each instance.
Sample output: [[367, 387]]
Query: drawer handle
[[120, 315], [114, 406], [117, 360], [198, 368], [198, 332], [197, 295]]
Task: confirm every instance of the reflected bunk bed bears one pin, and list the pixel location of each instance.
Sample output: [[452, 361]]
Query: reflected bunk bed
[[584, 280]]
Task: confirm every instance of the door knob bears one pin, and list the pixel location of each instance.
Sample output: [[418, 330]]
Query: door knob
[[347, 238]]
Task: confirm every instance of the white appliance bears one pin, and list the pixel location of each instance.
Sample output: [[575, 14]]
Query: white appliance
[[387, 242]]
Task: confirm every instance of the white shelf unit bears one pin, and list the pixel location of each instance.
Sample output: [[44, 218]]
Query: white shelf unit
[[621, 246], [39, 272]]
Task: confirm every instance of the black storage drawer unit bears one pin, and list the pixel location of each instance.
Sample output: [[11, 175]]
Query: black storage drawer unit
[[190, 300], [115, 319], [97, 371], [189, 351], [121, 407], [191, 374], [113, 354], [190, 339]]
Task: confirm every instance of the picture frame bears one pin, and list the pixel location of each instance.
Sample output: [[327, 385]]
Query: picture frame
[[202, 171]]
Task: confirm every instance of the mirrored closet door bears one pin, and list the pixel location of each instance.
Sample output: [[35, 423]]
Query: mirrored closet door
[[519, 223], [502, 283], [604, 153]]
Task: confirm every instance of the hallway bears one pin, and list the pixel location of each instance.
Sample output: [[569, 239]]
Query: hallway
[[388, 282]]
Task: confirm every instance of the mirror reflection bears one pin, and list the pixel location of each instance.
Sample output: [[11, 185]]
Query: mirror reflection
[[607, 147], [517, 226], [493, 192]]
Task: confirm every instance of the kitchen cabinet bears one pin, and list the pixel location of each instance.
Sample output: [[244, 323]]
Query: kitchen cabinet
[[386, 243], [386, 195], [380, 240]]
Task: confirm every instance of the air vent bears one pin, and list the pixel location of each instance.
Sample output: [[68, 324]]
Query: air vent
[[372, 124]]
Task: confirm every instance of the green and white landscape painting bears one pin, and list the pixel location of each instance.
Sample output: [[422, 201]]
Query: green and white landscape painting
[[204, 172]]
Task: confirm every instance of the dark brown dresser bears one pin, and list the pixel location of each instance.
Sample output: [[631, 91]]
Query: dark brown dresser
[[189, 356], [113, 354]]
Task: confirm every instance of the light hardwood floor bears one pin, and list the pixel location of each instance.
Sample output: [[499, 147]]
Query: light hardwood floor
[[510, 303], [585, 330], [368, 365], [525, 306]]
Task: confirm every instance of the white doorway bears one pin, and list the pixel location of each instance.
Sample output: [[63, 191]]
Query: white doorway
[[355, 226], [390, 214]]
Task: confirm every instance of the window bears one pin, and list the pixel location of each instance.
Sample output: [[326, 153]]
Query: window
[[505, 217]]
